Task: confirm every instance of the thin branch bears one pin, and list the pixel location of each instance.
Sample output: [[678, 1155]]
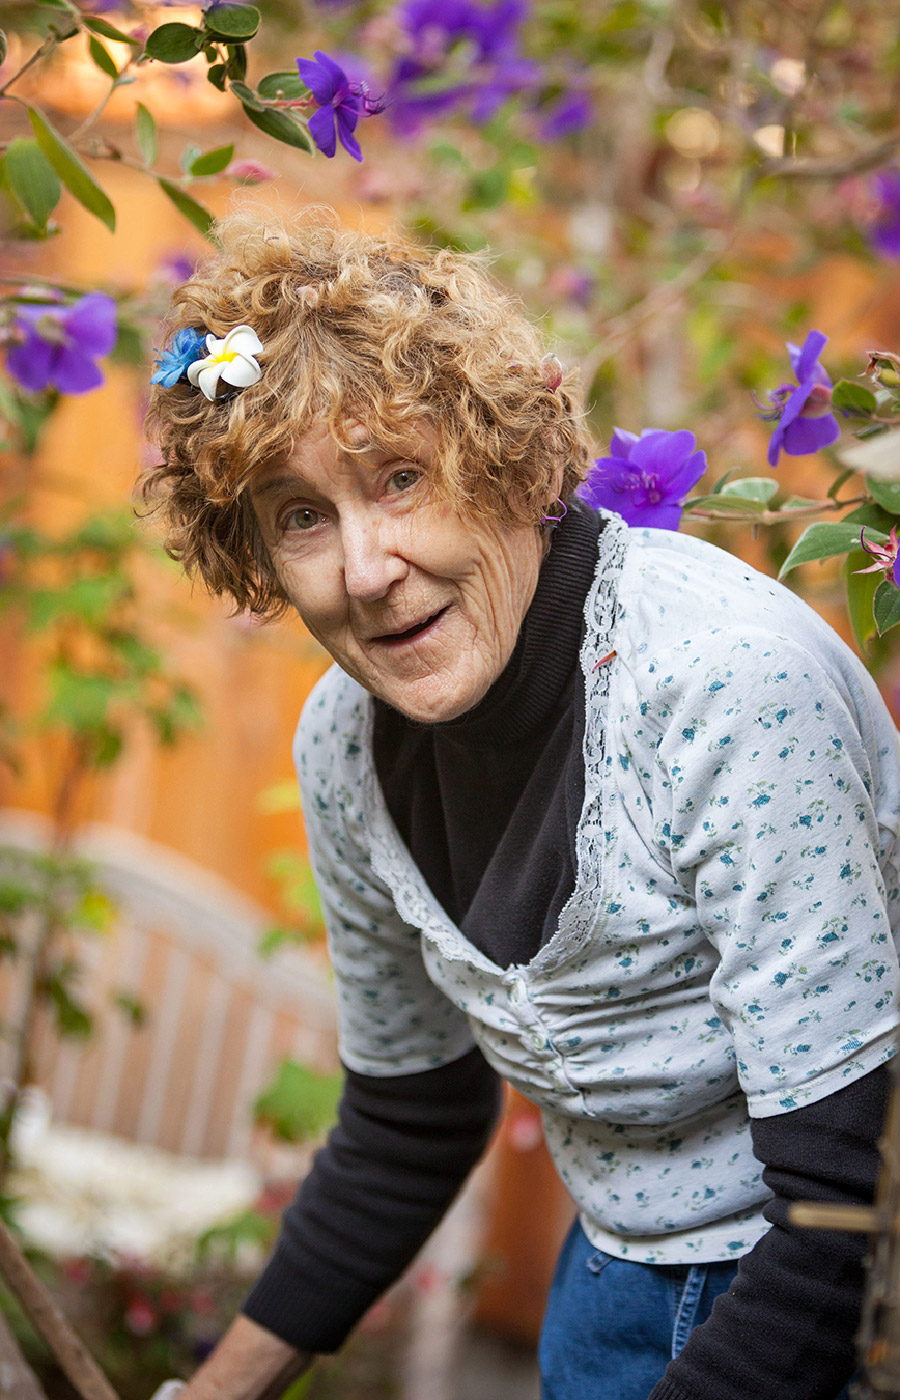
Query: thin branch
[[46, 47], [829, 168], [775, 517]]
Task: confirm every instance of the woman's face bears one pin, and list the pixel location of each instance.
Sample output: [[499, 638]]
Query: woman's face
[[421, 606]]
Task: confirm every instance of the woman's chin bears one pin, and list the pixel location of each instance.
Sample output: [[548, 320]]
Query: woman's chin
[[433, 699]]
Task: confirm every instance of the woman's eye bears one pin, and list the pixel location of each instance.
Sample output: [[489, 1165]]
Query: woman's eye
[[302, 518], [403, 479]]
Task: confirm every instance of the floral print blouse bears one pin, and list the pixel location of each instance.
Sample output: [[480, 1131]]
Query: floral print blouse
[[728, 949]]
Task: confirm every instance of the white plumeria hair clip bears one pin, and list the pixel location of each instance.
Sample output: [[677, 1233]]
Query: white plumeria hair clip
[[231, 360]]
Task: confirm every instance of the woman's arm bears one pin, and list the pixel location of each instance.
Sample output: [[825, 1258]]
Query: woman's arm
[[246, 1363], [399, 1153], [785, 1329]]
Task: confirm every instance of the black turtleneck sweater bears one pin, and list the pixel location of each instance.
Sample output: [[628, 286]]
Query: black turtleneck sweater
[[488, 805]]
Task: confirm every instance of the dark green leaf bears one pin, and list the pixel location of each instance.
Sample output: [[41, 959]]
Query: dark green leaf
[[246, 96], [77, 180], [887, 606], [825, 539], [853, 399], [4, 46], [109, 31], [871, 514], [838, 482], [103, 58], [145, 131], [174, 43], [216, 76], [213, 162], [860, 596], [886, 493], [236, 67], [751, 488], [32, 179], [198, 215], [720, 484], [287, 83], [282, 125], [232, 21], [299, 1103]]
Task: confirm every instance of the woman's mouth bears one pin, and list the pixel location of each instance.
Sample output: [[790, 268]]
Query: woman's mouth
[[414, 633]]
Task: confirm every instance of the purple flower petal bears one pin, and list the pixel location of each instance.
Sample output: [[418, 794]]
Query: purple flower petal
[[805, 364], [662, 452], [687, 476], [666, 515], [897, 571], [622, 442], [75, 373], [31, 363], [346, 122], [807, 434], [334, 70], [791, 411], [321, 129], [317, 79], [568, 114], [91, 324]]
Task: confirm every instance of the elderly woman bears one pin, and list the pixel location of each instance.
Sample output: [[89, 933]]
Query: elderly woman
[[601, 812]]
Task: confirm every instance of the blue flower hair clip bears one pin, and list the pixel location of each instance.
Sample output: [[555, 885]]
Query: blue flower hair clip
[[172, 364]]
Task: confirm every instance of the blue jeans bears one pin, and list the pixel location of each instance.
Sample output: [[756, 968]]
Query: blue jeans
[[612, 1326]]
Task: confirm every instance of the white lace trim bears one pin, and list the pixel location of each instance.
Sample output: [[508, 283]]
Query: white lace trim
[[392, 861]]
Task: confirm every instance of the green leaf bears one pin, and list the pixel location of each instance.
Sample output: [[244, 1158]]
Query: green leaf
[[109, 31], [145, 131], [232, 21], [739, 506], [860, 596], [103, 58], [282, 125], [216, 75], [886, 493], [751, 488], [299, 1103], [4, 46], [77, 180], [32, 179], [825, 539], [887, 606], [287, 83], [719, 486], [853, 399], [174, 43], [190, 153], [213, 162], [236, 67], [246, 96], [198, 215], [134, 1010]]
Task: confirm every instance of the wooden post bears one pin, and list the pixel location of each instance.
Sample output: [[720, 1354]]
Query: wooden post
[[73, 1356]]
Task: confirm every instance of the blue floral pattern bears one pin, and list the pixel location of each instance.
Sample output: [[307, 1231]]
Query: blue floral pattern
[[729, 947]]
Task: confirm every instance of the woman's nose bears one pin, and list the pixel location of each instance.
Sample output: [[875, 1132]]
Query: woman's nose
[[372, 562]]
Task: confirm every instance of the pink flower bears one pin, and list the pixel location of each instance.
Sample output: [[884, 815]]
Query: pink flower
[[250, 172], [885, 556]]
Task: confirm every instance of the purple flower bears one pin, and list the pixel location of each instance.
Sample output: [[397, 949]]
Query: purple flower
[[58, 346], [340, 104], [805, 420], [645, 479], [570, 113], [494, 69], [884, 233], [172, 364]]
